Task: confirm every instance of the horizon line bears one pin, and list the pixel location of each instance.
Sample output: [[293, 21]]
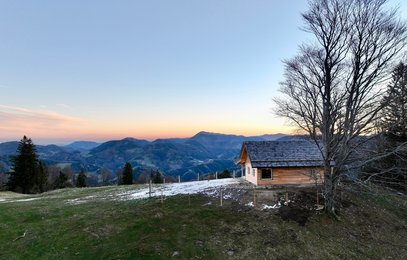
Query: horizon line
[[62, 141]]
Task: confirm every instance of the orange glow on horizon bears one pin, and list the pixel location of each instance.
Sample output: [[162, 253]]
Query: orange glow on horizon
[[43, 126], [117, 134]]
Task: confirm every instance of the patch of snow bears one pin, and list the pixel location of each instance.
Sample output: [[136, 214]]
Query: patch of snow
[[211, 193], [275, 206], [227, 196], [75, 201], [26, 200], [80, 200], [215, 193], [207, 187], [250, 204]]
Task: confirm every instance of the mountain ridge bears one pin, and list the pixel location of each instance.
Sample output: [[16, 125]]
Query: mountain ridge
[[202, 153]]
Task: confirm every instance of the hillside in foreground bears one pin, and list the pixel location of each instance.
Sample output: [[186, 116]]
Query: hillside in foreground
[[122, 222]]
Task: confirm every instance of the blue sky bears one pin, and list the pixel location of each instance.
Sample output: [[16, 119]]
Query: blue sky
[[101, 70]]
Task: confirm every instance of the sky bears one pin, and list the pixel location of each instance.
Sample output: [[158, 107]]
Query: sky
[[101, 70]]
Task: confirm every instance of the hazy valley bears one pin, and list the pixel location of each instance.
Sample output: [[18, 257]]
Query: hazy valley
[[202, 153]]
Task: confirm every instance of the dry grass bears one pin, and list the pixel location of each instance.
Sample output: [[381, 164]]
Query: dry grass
[[372, 226]]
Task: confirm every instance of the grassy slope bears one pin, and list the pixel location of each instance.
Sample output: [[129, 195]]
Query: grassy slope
[[371, 227]]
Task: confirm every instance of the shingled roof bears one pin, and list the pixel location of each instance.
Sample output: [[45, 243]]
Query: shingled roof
[[265, 154]]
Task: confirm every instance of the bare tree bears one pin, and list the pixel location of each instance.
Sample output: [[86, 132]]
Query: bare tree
[[53, 173], [119, 174], [142, 179], [70, 174], [105, 175], [315, 176], [3, 176], [332, 88]]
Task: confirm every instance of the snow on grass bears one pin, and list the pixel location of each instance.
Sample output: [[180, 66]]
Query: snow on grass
[[8, 196], [77, 196], [207, 187], [80, 200], [250, 204], [5, 200], [275, 206], [23, 200]]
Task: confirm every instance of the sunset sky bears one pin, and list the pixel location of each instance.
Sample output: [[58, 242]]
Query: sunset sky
[[100, 70]]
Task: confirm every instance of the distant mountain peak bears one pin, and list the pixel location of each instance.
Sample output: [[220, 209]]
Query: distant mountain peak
[[135, 141], [205, 133], [129, 139], [82, 145]]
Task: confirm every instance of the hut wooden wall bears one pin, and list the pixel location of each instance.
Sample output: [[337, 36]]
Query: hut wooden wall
[[293, 175]]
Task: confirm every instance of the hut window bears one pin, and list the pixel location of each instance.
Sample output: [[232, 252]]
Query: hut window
[[266, 174], [254, 171]]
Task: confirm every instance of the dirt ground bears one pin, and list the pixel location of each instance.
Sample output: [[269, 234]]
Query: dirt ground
[[291, 203]]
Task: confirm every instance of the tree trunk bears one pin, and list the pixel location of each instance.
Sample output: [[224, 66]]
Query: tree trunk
[[329, 193]]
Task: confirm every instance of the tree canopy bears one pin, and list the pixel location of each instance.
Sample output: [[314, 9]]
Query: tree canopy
[[332, 89], [386, 161], [394, 114], [81, 180], [28, 174], [156, 177], [127, 176]]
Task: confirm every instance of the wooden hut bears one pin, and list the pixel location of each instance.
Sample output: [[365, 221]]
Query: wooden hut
[[281, 162]]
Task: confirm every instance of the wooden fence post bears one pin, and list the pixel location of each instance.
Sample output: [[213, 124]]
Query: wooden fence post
[[216, 175], [254, 197], [198, 176], [150, 188], [221, 198], [162, 199], [179, 179], [234, 174]]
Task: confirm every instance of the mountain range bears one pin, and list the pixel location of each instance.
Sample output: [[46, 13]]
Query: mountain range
[[202, 153]]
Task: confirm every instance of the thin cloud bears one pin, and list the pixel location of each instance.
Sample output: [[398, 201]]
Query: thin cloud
[[15, 121], [64, 106]]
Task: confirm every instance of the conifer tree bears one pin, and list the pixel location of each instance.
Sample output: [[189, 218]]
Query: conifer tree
[[224, 174], [157, 177], [394, 120], [81, 181], [42, 177], [127, 176], [388, 163], [27, 175], [61, 181]]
